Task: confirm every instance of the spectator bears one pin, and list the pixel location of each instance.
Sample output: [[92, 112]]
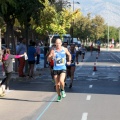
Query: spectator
[[31, 58], [46, 50], [38, 53], [8, 66], [17, 46], [21, 50]]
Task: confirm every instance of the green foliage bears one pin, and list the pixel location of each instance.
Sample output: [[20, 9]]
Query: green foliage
[[53, 21]]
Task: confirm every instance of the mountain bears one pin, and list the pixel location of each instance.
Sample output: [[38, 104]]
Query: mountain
[[108, 9]]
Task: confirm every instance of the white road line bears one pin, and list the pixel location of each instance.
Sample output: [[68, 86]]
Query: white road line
[[114, 59], [113, 65], [84, 116], [90, 86], [93, 73], [88, 97], [115, 80]]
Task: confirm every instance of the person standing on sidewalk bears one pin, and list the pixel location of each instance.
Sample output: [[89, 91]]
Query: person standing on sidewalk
[[21, 50], [8, 66], [38, 53], [46, 50], [59, 69], [31, 59]]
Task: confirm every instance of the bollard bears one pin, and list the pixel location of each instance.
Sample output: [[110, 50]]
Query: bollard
[[94, 69]]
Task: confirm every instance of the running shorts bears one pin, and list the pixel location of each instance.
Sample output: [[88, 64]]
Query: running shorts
[[58, 72]]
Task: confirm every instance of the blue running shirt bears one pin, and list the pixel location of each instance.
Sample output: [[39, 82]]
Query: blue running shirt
[[73, 58], [59, 60]]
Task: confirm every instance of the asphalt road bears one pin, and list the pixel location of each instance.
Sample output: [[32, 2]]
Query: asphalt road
[[95, 95]]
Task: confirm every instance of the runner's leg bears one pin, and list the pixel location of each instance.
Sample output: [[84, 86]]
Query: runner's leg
[[57, 83], [72, 75]]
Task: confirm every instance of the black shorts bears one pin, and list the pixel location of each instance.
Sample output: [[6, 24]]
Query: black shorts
[[68, 67], [58, 72], [83, 54], [31, 62], [51, 67], [80, 52]]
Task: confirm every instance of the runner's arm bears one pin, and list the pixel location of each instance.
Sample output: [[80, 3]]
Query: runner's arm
[[69, 55], [51, 55]]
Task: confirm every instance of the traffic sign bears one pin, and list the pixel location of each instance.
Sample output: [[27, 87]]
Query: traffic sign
[[98, 42]]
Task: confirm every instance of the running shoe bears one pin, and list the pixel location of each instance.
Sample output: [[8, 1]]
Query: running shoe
[[59, 98], [63, 94], [53, 81]]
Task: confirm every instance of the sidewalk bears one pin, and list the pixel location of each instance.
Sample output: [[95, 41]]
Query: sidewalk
[[40, 70], [110, 49]]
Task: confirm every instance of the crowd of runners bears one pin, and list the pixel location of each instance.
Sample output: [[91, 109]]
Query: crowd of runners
[[62, 59]]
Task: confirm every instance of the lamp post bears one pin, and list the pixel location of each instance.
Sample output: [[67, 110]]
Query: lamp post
[[0, 38], [73, 20], [119, 38], [95, 30], [108, 35]]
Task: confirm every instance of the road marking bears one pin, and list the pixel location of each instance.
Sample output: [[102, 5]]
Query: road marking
[[46, 108], [88, 97], [113, 65], [84, 116], [114, 58], [90, 86], [93, 73], [115, 80]]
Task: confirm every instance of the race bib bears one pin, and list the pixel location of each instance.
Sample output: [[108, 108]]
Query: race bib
[[60, 61]]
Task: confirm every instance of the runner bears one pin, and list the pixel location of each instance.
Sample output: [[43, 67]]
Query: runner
[[59, 69], [83, 50], [71, 67], [98, 49], [65, 44], [91, 48], [51, 64]]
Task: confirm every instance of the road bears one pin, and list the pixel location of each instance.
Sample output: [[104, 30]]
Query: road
[[95, 95]]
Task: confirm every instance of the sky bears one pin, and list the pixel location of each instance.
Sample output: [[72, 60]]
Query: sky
[[108, 9]]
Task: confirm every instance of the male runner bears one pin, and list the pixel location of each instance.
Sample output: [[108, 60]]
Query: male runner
[[59, 69]]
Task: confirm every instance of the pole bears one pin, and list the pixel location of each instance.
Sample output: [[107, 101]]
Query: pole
[[0, 38], [108, 36], [73, 24], [119, 38]]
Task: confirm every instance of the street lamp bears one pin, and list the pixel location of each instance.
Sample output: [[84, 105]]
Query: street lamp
[[119, 38], [73, 19], [108, 36], [0, 38], [95, 28]]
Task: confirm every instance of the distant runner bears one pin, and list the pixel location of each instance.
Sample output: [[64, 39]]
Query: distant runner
[[71, 67]]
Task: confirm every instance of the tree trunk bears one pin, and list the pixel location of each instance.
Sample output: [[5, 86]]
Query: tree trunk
[[26, 36]]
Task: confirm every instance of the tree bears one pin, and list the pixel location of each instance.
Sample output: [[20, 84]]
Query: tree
[[7, 13]]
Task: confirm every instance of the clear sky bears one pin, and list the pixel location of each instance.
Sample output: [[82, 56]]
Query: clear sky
[[100, 7]]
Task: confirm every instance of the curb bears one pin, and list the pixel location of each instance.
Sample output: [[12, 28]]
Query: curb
[[15, 76]]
